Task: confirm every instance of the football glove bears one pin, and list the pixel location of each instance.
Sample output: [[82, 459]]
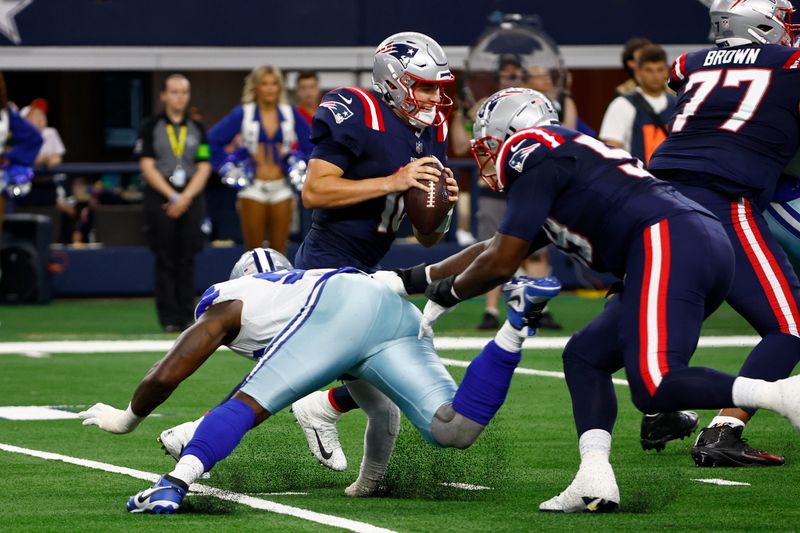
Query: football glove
[[110, 419], [526, 299], [16, 181], [441, 299]]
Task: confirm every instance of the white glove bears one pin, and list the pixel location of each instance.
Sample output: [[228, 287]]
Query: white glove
[[110, 418], [391, 280], [430, 315]]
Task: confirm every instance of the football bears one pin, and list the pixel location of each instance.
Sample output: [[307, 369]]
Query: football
[[426, 210]]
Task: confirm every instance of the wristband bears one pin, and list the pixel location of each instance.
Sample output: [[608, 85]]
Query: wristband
[[442, 292], [414, 279], [132, 419], [173, 197]]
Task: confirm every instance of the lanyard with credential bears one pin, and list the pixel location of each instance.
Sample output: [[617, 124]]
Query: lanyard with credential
[[178, 145]]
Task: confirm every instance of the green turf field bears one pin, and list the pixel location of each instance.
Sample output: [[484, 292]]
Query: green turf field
[[527, 455]]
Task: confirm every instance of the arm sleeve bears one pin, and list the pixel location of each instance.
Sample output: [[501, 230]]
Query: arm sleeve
[[329, 150], [222, 133], [26, 141], [618, 122], [530, 200], [144, 144]]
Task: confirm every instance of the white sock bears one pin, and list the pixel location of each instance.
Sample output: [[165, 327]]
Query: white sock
[[755, 393], [188, 469], [731, 421], [508, 338], [595, 444]]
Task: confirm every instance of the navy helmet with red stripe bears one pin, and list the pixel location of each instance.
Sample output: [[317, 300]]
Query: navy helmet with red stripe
[[502, 115], [259, 260]]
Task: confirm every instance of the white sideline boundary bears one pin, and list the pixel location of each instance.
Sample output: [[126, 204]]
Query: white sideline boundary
[[243, 499], [40, 349]]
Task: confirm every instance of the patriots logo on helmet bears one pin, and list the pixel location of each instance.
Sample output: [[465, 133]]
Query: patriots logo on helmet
[[519, 155], [402, 52], [339, 110]]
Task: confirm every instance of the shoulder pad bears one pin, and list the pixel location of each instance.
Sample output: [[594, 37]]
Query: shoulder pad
[[351, 105], [524, 150]]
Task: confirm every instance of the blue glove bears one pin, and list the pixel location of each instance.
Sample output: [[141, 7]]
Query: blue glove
[[17, 180], [526, 298], [237, 170]]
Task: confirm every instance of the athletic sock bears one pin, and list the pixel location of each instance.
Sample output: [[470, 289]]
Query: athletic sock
[[594, 445], [341, 400], [220, 432], [485, 385], [720, 420], [509, 338], [187, 471], [756, 393]]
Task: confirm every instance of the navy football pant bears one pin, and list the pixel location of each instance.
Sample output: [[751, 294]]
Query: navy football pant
[[765, 290], [678, 272]]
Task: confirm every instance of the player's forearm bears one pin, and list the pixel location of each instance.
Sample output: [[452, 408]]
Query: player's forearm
[[332, 192]]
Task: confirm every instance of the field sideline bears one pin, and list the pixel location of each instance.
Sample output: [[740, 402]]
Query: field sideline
[[526, 456]]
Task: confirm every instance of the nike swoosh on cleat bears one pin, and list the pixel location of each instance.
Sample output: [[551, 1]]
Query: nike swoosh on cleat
[[325, 453], [149, 492], [346, 100]]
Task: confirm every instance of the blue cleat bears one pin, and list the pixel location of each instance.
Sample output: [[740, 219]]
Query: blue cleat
[[526, 298], [164, 497]]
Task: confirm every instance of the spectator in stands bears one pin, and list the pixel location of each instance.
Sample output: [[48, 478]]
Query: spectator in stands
[[77, 210], [630, 56], [272, 132], [307, 94], [173, 158], [53, 150], [638, 122], [544, 80]]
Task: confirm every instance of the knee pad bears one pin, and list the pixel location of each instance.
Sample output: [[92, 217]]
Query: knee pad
[[453, 430]]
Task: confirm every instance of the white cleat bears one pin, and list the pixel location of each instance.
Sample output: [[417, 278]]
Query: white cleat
[[594, 489], [317, 418], [174, 440], [363, 488]]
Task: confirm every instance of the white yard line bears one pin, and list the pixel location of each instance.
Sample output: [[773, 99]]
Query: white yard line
[[526, 371], [723, 482], [243, 499], [40, 349]]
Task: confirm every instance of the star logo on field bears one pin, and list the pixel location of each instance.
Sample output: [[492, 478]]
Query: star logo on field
[[8, 10]]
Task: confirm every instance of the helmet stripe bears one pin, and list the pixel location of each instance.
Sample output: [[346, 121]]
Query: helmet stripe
[[257, 261]]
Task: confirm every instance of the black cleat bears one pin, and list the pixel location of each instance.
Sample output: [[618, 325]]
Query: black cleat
[[548, 322], [489, 321], [659, 429], [723, 445]]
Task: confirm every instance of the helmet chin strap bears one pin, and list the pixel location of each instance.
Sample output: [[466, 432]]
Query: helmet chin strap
[[422, 119]]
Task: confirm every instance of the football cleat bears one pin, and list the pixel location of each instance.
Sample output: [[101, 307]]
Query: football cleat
[[526, 299], [363, 488], [723, 445], [661, 428], [164, 497], [174, 440], [594, 490], [489, 321], [319, 427]]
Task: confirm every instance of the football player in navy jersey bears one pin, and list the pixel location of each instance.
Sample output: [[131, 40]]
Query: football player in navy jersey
[[601, 206], [370, 147], [736, 127]]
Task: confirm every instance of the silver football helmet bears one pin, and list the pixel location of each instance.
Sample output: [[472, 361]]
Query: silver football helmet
[[259, 260], [501, 115], [739, 22], [403, 62]]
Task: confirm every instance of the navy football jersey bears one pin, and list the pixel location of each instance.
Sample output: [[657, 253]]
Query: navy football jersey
[[737, 116], [359, 133], [591, 200]]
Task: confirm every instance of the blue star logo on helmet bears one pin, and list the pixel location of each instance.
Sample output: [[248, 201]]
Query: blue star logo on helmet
[[339, 110]]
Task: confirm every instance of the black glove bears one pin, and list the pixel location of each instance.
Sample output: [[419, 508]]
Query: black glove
[[441, 292], [414, 279]]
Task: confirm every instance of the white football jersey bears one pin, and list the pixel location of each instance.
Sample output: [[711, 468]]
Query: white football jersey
[[269, 301]]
